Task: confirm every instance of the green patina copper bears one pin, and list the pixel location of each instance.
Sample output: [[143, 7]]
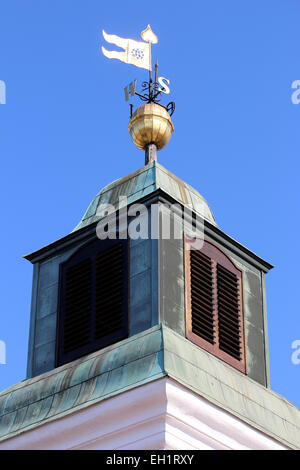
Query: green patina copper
[[145, 357], [78, 384], [142, 183]]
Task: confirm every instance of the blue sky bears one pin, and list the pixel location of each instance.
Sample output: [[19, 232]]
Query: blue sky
[[63, 136]]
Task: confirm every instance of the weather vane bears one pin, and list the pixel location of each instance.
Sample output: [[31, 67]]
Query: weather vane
[[150, 125]]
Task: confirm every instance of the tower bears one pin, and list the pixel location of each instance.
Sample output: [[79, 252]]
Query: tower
[[156, 341]]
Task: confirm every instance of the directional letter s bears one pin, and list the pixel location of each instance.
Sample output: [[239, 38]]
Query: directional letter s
[[165, 89]]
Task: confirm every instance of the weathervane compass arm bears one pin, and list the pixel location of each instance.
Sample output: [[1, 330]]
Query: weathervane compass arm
[[157, 92]]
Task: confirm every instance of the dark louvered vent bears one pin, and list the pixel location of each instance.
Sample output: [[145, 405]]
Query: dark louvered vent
[[109, 291], [214, 304], [228, 312], [202, 296], [93, 307], [77, 317]]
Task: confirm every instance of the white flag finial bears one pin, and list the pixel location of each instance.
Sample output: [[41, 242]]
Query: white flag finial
[[149, 36]]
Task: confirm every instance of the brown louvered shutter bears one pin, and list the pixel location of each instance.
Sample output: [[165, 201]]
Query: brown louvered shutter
[[229, 318], [214, 304], [202, 296], [93, 300]]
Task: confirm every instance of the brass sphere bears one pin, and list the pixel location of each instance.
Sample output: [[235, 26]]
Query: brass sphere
[[151, 124]]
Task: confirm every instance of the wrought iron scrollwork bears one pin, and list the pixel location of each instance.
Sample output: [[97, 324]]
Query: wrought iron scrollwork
[[170, 107], [151, 92]]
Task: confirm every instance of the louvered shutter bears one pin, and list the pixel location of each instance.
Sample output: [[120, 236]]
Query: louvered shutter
[[77, 308], [202, 296], [229, 318], [110, 297], [214, 304], [93, 299]]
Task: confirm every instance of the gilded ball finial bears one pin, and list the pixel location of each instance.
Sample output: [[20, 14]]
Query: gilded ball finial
[[151, 124]]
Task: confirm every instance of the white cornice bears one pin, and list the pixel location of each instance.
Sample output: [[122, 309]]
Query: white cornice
[[159, 415]]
